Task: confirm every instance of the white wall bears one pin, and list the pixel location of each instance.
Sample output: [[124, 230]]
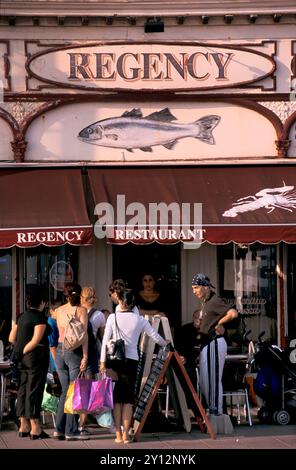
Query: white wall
[[292, 137], [6, 137], [95, 269], [54, 135]]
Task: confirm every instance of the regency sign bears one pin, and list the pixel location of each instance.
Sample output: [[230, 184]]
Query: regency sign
[[154, 66], [46, 236]]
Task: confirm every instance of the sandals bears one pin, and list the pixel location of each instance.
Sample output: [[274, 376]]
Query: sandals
[[128, 441]]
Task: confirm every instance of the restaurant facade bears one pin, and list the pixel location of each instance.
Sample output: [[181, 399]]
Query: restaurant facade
[[150, 138]]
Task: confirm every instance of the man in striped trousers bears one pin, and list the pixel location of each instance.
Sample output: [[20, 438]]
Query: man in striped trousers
[[214, 313]]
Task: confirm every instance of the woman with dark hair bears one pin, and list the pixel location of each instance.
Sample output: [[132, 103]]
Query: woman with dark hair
[[149, 300], [69, 363], [127, 324], [117, 286], [31, 351]]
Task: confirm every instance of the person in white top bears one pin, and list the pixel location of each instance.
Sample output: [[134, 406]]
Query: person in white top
[[130, 325]]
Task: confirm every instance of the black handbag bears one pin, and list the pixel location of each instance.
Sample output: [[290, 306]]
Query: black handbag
[[116, 348]]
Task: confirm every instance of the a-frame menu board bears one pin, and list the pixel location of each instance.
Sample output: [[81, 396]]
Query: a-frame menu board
[[172, 364], [147, 347]]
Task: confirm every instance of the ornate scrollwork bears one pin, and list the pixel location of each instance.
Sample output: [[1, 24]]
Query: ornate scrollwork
[[283, 109], [21, 110]]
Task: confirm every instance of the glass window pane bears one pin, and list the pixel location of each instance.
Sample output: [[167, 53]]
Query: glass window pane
[[5, 294], [51, 269], [247, 277]]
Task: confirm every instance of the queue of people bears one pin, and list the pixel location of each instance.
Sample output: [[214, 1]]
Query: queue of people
[[200, 342]]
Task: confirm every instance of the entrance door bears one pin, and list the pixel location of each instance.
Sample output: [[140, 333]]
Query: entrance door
[[131, 262]]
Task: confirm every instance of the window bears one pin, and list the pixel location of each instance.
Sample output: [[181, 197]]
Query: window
[[247, 278], [51, 269], [5, 294]]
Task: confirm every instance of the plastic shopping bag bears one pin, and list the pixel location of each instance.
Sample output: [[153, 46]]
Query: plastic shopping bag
[[68, 408], [82, 388], [105, 419], [101, 395], [49, 402]]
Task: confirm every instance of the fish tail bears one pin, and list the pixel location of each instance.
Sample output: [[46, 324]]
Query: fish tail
[[206, 125]]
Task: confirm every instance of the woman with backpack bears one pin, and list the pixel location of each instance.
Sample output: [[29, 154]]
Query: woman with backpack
[[71, 357]]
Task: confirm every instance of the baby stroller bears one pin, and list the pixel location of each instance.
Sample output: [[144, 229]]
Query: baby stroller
[[275, 383]]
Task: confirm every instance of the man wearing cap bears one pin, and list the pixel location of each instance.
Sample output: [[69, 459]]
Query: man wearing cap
[[214, 313]]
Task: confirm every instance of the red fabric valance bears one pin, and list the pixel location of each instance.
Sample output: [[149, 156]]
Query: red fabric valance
[[243, 204], [43, 207]]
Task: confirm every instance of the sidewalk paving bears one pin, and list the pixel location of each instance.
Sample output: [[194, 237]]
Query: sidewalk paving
[[258, 446], [258, 436]]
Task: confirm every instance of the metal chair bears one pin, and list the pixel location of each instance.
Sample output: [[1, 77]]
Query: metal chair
[[53, 417], [5, 370], [166, 391], [235, 386], [238, 395]]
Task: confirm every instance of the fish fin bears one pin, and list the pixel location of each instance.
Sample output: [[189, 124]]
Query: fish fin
[[146, 149], [136, 112], [164, 115], [111, 136], [206, 125], [130, 150], [170, 145]]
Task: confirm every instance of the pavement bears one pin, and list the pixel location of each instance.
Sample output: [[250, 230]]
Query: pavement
[[257, 436]]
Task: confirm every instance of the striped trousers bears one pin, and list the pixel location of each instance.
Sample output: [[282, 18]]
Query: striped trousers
[[211, 364]]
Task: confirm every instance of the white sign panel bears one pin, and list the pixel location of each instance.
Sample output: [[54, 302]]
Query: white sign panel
[[150, 66], [149, 132]]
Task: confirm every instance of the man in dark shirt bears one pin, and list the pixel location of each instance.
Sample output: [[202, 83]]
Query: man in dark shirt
[[214, 313]]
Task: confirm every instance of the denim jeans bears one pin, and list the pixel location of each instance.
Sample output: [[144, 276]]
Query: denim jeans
[[68, 366]]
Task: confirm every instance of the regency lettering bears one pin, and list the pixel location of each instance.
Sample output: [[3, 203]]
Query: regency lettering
[[69, 236], [155, 66], [148, 66]]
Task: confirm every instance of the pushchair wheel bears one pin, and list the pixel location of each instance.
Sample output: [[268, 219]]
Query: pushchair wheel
[[281, 417]]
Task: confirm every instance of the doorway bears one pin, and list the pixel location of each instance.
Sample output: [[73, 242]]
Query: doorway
[[131, 262]]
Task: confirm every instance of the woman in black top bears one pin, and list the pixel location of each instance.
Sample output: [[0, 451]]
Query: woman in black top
[[31, 351], [149, 300]]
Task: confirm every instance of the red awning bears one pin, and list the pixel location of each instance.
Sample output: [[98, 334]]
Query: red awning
[[243, 204], [43, 207]]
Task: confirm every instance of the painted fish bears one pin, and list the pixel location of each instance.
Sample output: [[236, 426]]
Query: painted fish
[[133, 131]]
